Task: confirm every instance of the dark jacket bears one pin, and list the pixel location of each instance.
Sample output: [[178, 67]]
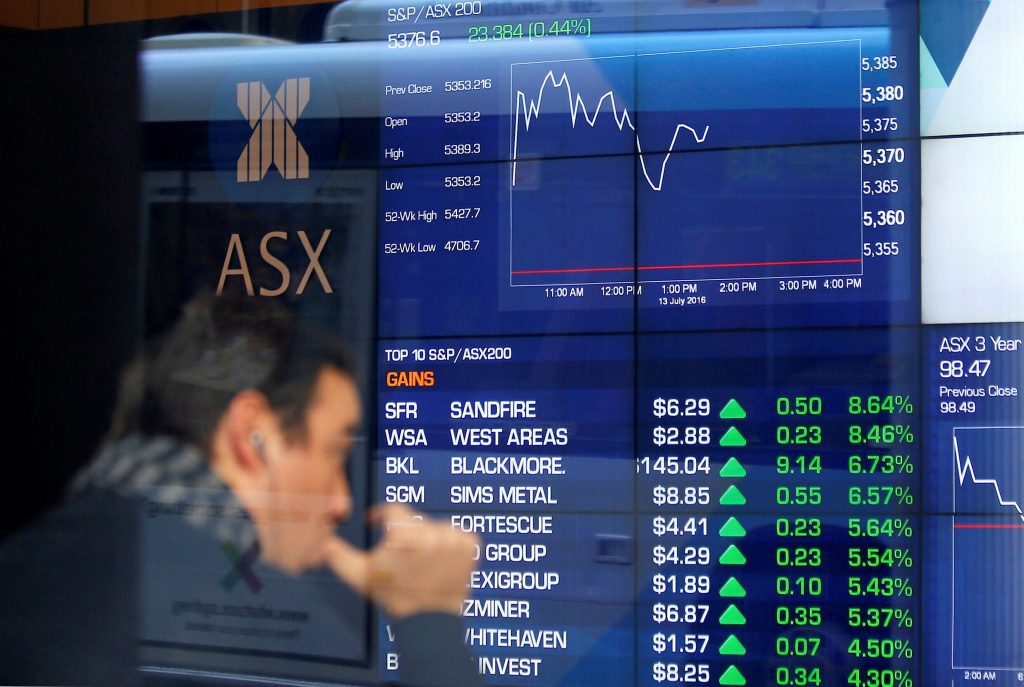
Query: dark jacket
[[72, 581]]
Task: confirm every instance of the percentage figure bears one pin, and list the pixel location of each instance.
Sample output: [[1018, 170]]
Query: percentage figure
[[881, 435], [892, 404], [886, 464], [881, 496], [880, 677], [880, 527]]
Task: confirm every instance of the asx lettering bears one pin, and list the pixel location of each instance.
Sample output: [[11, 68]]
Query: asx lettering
[[236, 254]]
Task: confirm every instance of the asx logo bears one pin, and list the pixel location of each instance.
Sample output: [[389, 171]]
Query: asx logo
[[272, 120], [241, 567], [236, 254]]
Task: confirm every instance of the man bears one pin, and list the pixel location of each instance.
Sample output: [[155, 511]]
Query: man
[[244, 412]]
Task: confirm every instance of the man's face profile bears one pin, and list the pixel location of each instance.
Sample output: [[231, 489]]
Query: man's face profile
[[304, 484]]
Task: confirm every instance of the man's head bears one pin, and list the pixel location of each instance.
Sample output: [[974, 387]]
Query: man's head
[[272, 402], [292, 483]]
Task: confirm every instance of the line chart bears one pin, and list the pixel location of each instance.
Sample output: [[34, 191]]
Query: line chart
[[527, 110], [627, 168], [965, 468], [987, 549], [967, 474]]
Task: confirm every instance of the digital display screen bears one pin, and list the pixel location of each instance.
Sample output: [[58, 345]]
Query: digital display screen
[[667, 307], [704, 180]]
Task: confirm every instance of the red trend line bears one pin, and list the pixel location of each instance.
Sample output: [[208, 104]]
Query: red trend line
[[988, 527], [687, 267]]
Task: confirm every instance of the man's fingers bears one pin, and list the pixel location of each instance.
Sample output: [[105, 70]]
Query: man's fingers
[[348, 563], [383, 514], [403, 530], [420, 564]]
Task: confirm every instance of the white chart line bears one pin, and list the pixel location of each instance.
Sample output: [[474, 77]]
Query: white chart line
[[965, 467], [527, 110], [575, 105]]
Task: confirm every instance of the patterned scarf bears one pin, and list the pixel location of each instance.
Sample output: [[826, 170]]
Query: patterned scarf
[[169, 477]]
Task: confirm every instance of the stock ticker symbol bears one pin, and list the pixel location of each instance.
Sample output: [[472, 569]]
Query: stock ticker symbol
[[241, 568], [273, 139]]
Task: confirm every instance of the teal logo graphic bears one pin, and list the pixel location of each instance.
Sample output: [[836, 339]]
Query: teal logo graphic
[[241, 567]]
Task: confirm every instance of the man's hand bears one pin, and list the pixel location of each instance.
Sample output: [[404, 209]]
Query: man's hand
[[419, 566]]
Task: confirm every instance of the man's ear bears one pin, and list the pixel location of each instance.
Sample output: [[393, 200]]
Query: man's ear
[[247, 421]]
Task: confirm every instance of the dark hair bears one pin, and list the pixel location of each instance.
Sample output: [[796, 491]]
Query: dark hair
[[182, 381]]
